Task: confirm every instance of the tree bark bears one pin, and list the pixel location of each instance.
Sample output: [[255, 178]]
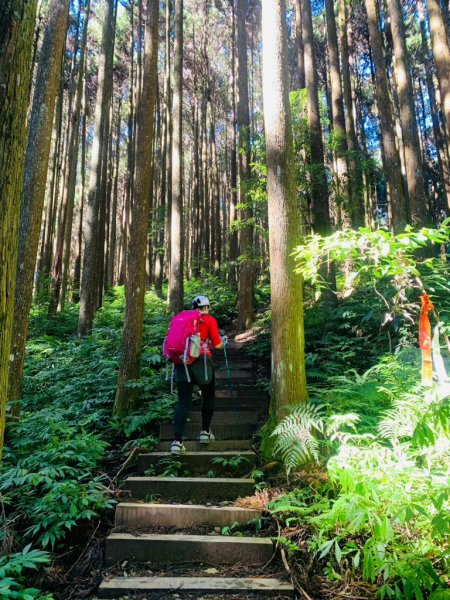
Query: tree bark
[[246, 283], [17, 20], [34, 182], [413, 160], [89, 290], [176, 283], [135, 288], [441, 52], [342, 187], [391, 158], [288, 372], [355, 172], [320, 211], [300, 62]]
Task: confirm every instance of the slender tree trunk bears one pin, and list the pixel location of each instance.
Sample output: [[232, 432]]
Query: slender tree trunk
[[17, 20], [135, 288], [288, 372], [438, 134], [176, 283], [391, 158], [300, 63], [245, 288], [88, 300], [62, 255], [113, 219], [233, 237], [355, 173], [342, 188], [441, 52], [34, 182], [320, 212], [413, 160]]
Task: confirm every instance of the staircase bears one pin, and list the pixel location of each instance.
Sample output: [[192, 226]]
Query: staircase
[[178, 520]]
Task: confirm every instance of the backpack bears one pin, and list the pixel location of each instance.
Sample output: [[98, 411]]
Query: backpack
[[183, 344]]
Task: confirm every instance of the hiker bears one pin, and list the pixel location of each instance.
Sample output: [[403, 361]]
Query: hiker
[[199, 372]]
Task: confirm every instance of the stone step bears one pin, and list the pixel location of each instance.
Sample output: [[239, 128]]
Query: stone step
[[217, 445], [198, 462], [236, 586], [222, 431], [187, 548], [189, 488], [130, 514]]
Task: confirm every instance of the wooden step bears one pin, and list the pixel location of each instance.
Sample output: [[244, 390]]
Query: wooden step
[[235, 376], [198, 462], [217, 445], [225, 417], [133, 514], [236, 586], [243, 393], [222, 431], [234, 365], [189, 488], [175, 548]]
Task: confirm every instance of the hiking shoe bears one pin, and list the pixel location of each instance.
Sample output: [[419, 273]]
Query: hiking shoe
[[206, 437], [177, 448]]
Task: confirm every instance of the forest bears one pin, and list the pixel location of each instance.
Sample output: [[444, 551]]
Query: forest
[[290, 160]]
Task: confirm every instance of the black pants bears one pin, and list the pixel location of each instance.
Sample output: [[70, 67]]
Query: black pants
[[184, 404]]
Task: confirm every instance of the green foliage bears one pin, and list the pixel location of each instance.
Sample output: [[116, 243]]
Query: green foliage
[[12, 581], [51, 477], [222, 297], [384, 508]]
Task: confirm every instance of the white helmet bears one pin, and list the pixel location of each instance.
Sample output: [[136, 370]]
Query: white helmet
[[199, 301]]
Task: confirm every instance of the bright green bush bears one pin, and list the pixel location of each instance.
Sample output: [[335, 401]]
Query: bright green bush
[[385, 509]]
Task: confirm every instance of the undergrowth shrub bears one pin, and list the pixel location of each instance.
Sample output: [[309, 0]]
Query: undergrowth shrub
[[384, 511], [52, 484]]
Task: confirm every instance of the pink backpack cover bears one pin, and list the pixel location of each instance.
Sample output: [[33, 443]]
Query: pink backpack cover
[[182, 343]]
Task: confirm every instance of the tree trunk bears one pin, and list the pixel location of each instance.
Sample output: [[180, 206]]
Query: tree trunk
[[34, 182], [176, 283], [441, 52], [135, 288], [413, 159], [391, 158], [439, 137], [16, 40], [355, 172], [288, 373], [233, 237], [342, 188], [88, 300], [245, 288], [113, 216], [300, 62], [62, 254], [320, 212]]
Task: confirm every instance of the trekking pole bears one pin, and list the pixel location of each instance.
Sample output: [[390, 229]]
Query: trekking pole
[[230, 384]]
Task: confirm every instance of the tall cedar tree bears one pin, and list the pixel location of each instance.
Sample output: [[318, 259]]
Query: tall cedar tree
[[391, 159], [34, 183], [17, 20], [89, 284], [245, 301], [288, 375], [342, 189], [410, 133], [441, 52], [320, 210], [137, 247], [176, 283]]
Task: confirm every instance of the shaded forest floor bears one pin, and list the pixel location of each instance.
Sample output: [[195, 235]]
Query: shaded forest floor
[[341, 518]]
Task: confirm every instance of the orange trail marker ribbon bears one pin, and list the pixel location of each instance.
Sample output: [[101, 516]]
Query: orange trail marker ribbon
[[425, 340]]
